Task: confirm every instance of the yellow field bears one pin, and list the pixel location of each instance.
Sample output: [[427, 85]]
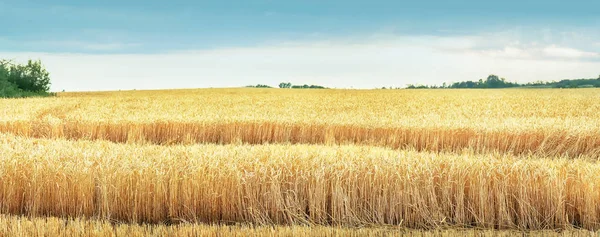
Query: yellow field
[[299, 184], [19, 226], [546, 122], [310, 162]]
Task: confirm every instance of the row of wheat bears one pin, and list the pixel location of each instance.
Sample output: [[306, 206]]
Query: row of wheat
[[541, 122], [295, 184], [539, 142], [22, 226]]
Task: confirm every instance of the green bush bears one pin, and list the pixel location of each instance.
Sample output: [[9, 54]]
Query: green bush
[[23, 80], [259, 86]]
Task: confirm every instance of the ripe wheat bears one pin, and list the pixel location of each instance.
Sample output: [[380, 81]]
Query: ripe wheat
[[20, 226], [315, 161], [295, 184], [542, 122]]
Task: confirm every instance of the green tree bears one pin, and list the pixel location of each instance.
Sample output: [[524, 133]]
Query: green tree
[[259, 86], [31, 77], [17, 80], [7, 89], [494, 82], [285, 85]]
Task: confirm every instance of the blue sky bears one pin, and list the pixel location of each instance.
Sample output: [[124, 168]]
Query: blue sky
[[362, 44]]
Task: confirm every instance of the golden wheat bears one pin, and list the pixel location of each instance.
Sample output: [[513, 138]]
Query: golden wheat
[[543, 122], [295, 184], [305, 159], [21, 226]]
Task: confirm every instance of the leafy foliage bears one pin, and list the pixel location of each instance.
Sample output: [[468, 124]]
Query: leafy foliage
[[305, 86], [494, 81], [26, 80], [259, 86], [576, 83], [285, 85]]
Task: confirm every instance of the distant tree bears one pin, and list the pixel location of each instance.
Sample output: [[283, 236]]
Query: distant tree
[[470, 84], [493, 81], [299, 86], [259, 86], [3, 72], [418, 87], [305, 86], [18, 80], [30, 77], [7, 89], [573, 84], [285, 85]]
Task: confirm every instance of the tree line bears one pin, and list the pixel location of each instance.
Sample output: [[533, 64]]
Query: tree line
[[285, 85], [493, 81], [23, 80]]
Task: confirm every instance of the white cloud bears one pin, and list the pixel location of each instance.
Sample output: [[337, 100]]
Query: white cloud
[[564, 52], [535, 52], [510, 52], [379, 61]]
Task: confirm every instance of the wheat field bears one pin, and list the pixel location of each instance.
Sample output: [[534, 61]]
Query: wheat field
[[51, 226], [302, 162], [545, 122]]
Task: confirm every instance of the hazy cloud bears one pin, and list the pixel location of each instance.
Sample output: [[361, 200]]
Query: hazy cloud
[[379, 61], [564, 52]]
